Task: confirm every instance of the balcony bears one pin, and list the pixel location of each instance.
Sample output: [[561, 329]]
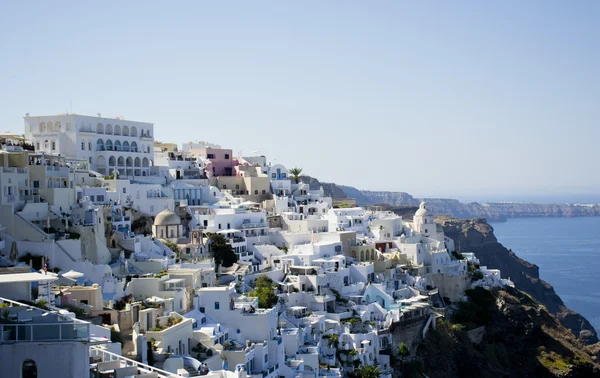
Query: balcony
[[253, 225], [17, 326], [57, 171], [14, 170], [44, 332]]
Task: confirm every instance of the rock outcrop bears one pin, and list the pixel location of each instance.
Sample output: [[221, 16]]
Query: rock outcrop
[[476, 235], [330, 189], [518, 337]]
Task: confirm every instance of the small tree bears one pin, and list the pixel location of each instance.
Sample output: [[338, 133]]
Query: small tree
[[368, 371], [221, 250], [295, 173], [334, 341], [265, 292]]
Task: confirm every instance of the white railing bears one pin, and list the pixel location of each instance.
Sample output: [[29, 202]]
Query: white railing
[[253, 225], [35, 332], [68, 329], [109, 356]]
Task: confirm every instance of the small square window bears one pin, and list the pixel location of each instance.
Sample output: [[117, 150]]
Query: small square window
[[226, 156]]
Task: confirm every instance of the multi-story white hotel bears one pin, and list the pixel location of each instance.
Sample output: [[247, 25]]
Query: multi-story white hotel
[[108, 144]]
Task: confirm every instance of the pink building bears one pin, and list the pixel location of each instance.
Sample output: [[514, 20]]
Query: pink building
[[221, 159]]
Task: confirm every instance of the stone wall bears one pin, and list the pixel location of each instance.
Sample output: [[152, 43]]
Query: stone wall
[[452, 287]]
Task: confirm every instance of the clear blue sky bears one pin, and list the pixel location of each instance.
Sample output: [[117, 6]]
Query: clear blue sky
[[457, 99]]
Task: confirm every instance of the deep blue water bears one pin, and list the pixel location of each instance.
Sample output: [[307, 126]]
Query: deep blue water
[[567, 250]]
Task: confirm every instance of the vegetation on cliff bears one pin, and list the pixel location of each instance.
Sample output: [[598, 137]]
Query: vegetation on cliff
[[476, 235], [520, 339]]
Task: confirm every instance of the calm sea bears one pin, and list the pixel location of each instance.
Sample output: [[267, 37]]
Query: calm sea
[[567, 250]]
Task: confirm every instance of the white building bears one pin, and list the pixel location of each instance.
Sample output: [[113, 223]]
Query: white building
[[351, 219], [280, 181], [108, 144], [36, 340], [176, 165]]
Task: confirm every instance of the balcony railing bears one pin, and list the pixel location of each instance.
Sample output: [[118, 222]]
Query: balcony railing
[[14, 169], [253, 225], [44, 332], [109, 356]]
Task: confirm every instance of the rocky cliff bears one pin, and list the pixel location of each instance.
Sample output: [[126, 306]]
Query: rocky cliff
[[489, 210], [516, 337], [476, 235], [492, 211], [330, 189]]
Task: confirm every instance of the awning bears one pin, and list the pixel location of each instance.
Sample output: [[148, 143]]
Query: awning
[[72, 274], [295, 308], [228, 231], [174, 280], [154, 299], [25, 277]]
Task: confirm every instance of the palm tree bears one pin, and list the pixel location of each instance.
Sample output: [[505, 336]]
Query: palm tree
[[333, 341], [295, 173], [368, 371]]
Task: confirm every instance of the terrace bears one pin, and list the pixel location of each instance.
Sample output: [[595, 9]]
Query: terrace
[[20, 322]]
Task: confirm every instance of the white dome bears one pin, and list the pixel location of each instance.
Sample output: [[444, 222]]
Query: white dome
[[167, 218], [422, 210]]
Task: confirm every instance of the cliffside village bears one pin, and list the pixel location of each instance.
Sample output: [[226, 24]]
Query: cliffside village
[[116, 261]]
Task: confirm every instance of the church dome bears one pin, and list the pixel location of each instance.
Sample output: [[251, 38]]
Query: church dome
[[422, 210], [167, 218]]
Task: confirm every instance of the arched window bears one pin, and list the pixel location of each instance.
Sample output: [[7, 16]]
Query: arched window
[[133, 147], [99, 145], [126, 146], [42, 127], [117, 130], [108, 145], [108, 129], [121, 161], [100, 128], [125, 130], [46, 144], [117, 145], [133, 132], [29, 369]]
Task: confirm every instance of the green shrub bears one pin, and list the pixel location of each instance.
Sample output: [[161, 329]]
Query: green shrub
[[476, 275], [403, 349]]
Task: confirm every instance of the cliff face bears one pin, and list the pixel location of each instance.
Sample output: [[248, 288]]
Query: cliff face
[[519, 338], [476, 235], [454, 208], [330, 189], [488, 210]]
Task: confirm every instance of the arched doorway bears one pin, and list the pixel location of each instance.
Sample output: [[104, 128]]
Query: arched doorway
[[29, 369]]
